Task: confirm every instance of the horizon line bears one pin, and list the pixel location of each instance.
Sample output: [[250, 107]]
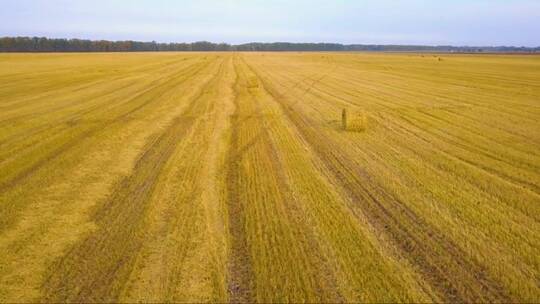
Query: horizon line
[[277, 41]]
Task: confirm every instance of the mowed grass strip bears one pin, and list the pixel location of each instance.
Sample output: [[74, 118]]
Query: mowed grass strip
[[117, 112], [183, 254], [270, 244], [349, 261], [461, 197], [61, 196], [47, 148], [427, 248], [108, 254]]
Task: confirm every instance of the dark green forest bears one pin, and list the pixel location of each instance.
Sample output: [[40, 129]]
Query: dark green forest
[[42, 44]]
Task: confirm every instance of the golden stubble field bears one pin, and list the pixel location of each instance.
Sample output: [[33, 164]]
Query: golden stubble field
[[228, 177]]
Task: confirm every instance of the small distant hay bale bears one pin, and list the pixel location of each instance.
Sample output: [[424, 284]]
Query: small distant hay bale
[[358, 123], [354, 122]]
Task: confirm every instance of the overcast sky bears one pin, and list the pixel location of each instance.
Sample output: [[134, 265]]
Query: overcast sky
[[456, 22]]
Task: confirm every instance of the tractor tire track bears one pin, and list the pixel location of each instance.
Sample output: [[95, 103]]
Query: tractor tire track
[[173, 224], [96, 269], [242, 286], [324, 282], [241, 283]]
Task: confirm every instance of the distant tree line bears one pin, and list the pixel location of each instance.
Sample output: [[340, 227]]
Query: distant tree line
[[287, 46], [42, 44]]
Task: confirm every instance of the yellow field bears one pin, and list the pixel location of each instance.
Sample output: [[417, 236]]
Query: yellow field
[[228, 177]]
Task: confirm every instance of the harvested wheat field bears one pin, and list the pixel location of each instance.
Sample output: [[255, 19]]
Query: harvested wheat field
[[231, 177]]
